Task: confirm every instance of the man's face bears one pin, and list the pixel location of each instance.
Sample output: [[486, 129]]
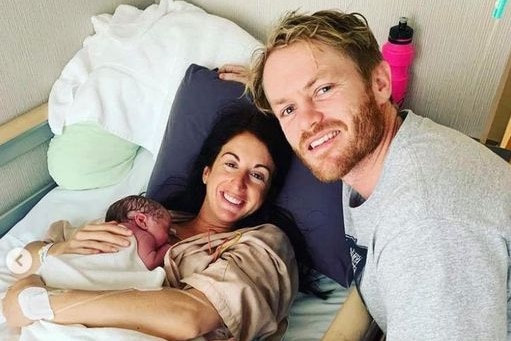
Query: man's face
[[327, 112]]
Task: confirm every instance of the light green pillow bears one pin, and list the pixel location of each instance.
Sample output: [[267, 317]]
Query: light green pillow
[[86, 156]]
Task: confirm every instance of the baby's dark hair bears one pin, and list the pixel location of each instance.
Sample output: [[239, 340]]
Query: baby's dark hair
[[119, 210]]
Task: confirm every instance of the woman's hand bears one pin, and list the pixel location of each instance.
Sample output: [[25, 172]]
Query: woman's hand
[[91, 239], [95, 238], [233, 72], [10, 306]]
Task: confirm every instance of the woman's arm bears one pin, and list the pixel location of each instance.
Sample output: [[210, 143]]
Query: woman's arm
[[91, 239], [169, 313]]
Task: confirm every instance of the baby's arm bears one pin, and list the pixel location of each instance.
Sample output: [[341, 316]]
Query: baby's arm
[[149, 252]]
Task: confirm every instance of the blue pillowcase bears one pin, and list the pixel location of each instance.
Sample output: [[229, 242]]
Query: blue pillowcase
[[316, 206]]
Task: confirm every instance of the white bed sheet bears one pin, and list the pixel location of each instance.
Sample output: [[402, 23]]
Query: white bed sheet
[[309, 318]]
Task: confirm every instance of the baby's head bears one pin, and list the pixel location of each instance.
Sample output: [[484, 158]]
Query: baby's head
[[145, 213]]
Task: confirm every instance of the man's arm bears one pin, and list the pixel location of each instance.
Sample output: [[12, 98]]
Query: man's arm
[[351, 322], [169, 313]]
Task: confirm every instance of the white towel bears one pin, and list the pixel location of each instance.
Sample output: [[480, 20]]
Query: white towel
[[126, 75]]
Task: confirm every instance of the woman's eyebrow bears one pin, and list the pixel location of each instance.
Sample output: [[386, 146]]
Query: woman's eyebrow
[[259, 165], [232, 154], [263, 166]]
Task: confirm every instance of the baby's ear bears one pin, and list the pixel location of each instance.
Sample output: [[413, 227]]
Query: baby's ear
[[140, 219]]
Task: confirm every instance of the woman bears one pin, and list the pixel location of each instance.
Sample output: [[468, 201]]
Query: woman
[[229, 280]]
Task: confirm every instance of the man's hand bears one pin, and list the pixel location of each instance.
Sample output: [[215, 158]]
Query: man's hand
[[233, 72]]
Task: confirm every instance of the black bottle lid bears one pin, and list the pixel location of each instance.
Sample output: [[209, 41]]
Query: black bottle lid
[[402, 33]]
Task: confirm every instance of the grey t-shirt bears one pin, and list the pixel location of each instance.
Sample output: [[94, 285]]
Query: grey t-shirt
[[430, 246]]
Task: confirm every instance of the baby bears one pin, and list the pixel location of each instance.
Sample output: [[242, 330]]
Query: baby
[[150, 223], [130, 267]]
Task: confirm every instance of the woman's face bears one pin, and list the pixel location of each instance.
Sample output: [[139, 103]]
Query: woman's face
[[238, 180]]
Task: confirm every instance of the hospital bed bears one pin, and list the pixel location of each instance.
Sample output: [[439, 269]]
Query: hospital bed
[[90, 77]]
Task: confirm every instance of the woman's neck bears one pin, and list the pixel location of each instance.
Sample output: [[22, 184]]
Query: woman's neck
[[198, 225]]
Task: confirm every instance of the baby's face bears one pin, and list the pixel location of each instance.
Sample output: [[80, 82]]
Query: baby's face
[[159, 227]]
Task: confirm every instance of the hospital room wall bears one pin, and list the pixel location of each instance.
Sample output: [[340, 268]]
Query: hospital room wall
[[37, 37]]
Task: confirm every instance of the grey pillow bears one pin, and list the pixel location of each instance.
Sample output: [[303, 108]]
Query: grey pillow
[[316, 206]]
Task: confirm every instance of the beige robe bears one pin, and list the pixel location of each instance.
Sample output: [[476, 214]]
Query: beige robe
[[250, 276]]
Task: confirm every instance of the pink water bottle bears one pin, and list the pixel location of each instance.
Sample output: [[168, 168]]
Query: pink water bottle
[[398, 51]]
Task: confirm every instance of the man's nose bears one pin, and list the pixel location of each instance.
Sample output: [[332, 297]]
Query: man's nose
[[311, 116]]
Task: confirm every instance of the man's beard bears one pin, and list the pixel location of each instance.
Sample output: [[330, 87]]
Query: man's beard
[[368, 127]]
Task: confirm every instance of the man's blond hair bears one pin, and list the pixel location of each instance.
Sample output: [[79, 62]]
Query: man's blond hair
[[349, 34]]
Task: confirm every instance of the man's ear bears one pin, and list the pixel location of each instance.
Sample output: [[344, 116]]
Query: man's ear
[[381, 83]]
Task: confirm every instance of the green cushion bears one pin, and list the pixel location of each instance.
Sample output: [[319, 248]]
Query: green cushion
[[86, 156]]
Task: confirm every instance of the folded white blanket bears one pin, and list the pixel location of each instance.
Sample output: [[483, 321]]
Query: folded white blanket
[[126, 75]]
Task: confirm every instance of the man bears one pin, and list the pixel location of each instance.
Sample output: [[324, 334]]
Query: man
[[427, 210]]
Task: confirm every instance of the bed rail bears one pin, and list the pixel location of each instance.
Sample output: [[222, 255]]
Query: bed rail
[[23, 133], [17, 137]]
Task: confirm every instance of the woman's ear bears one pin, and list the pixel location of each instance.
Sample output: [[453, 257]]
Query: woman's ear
[[205, 175], [381, 83]]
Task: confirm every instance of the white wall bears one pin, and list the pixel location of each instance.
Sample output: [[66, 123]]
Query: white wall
[[450, 36]]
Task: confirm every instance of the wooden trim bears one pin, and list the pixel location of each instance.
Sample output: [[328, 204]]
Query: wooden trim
[[25, 142], [24, 133], [506, 140], [23, 123], [15, 214], [496, 100]]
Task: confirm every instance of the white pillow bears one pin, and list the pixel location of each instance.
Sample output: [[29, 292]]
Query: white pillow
[[126, 75]]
